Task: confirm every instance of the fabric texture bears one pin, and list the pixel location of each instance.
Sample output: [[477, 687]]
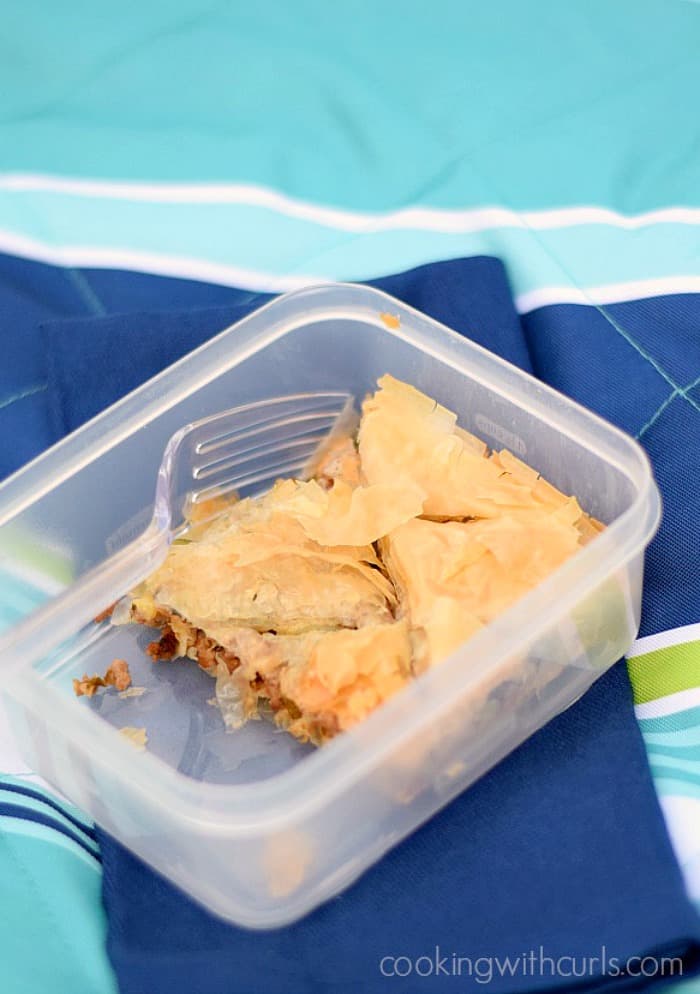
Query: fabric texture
[[561, 136], [561, 846], [146, 139]]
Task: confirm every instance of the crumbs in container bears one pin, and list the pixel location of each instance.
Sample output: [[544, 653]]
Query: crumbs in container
[[137, 736], [132, 692], [88, 685], [392, 321], [117, 675], [287, 858], [104, 615]]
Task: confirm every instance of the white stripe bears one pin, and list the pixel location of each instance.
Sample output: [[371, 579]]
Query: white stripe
[[609, 293], [33, 577], [420, 218], [682, 700], [682, 816], [673, 737], [691, 869], [152, 262], [223, 274], [662, 640], [12, 761], [36, 781]]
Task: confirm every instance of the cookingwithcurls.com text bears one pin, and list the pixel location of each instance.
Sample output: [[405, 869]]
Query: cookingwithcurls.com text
[[535, 963]]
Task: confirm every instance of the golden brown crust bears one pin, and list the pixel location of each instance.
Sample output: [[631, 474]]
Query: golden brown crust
[[117, 675], [87, 686], [321, 599], [104, 615]]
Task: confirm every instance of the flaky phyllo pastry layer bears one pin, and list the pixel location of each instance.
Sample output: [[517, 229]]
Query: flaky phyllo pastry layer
[[320, 599]]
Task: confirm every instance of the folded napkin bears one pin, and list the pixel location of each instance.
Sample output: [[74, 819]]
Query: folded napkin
[[93, 362], [560, 851]]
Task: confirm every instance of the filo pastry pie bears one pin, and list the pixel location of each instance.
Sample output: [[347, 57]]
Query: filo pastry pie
[[320, 599]]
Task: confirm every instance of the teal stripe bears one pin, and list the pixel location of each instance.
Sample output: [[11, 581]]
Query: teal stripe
[[672, 760], [675, 771], [680, 737], [678, 721], [687, 986], [21, 800], [18, 827], [359, 112], [51, 894], [668, 786], [71, 809], [18, 589], [264, 240], [18, 598], [688, 753]]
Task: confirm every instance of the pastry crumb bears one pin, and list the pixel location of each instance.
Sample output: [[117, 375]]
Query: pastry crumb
[[104, 615], [117, 675], [287, 858], [88, 686], [392, 321], [137, 736], [132, 692]]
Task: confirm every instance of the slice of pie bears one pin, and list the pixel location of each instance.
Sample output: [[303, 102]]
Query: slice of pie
[[319, 599]]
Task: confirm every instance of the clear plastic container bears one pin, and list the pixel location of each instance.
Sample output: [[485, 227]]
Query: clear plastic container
[[256, 826]]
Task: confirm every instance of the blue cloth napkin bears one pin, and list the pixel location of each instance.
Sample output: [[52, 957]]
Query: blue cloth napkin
[[92, 363], [560, 851]]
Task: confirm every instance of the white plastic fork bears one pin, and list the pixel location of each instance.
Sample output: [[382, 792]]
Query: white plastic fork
[[246, 449]]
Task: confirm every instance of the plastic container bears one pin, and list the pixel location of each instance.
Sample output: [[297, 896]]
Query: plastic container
[[257, 827]]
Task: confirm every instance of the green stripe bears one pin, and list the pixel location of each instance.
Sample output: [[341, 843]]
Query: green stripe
[[22, 547], [665, 671], [359, 112]]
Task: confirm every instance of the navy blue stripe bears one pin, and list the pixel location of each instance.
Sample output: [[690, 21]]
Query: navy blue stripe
[[38, 796], [29, 814]]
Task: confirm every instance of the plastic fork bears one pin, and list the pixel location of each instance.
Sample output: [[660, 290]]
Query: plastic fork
[[246, 449]]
